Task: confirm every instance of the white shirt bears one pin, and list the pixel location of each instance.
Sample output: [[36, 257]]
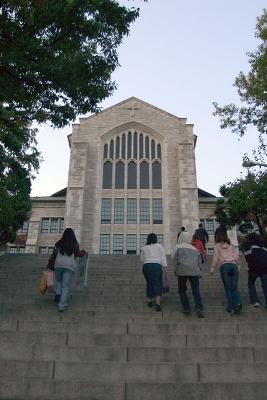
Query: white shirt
[[153, 253]]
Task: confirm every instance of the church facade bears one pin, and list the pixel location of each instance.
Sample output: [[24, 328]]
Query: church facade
[[132, 171]]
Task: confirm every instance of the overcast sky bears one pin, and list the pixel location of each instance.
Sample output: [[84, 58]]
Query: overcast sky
[[180, 56]]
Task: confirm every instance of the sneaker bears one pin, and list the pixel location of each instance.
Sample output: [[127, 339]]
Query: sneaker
[[238, 309], [256, 305], [149, 304], [200, 313], [158, 307]]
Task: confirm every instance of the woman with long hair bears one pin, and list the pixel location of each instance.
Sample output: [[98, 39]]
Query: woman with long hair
[[66, 250], [154, 259], [226, 257]]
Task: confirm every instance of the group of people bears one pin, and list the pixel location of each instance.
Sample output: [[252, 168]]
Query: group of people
[[188, 258]]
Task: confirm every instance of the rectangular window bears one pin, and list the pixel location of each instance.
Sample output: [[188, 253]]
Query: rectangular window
[[43, 250], [144, 211], [131, 211], [131, 244], [106, 211], [209, 225], [142, 239], [160, 238], [45, 225], [157, 211], [54, 225], [119, 211], [118, 244], [104, 244], [61, 225]]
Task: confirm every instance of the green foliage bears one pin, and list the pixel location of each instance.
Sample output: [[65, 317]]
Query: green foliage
[[242, 198], [56, 61], [58, 56], [252, 89]]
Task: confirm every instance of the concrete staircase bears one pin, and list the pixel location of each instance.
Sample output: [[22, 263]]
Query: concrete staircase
[[110, 346]]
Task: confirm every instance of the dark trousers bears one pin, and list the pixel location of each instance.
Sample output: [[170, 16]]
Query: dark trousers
[[252, 276], [153, 276], [230, 275], [182, 288]]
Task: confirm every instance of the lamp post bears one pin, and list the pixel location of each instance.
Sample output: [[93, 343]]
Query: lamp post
[[249, 164]]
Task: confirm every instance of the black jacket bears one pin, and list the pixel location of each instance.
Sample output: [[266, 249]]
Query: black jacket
[[256, 258]]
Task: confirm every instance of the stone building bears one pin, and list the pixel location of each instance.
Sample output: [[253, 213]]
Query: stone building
[[131, 172]]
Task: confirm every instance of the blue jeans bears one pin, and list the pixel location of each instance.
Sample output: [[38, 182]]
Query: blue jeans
[[194, 282], [252, 276], [64, 278], [230, 275]]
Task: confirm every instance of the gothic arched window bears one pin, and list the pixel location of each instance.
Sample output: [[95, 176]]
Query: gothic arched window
[[159, 151], [129, 146], [144, 175], [156, 175], [117, 147], [141, 146], [107, 175], [135, 146], [119, 175], [123, 147], [153, 150], [147, 147], [105, 155], [111, 150], [132, 175]]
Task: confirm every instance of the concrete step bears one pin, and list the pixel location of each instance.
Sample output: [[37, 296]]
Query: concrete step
[[110, 345]]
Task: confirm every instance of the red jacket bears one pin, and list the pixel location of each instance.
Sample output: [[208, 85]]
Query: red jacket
[[199, 246]]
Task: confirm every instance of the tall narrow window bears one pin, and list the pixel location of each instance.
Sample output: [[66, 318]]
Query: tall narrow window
[[157, 211], [61, 225], [131, 244], [142, 239], [117, 147], [104, 244], [107, 175], [147, 147], [54, 225], [153, 149], [160, 238], [135, 146], [105, 155], [132, 175], [118, 244], [119, 211], [159, 151], [141, 146], [131, 211], [106, 211], [119, 175], [129, 146], [144, 211], [111, 149], [156, 175], [45, 225], [144, 175], [123, 147]]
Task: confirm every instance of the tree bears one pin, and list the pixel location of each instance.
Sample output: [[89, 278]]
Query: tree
[[56, 61], [244, 199], [252, 89]]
